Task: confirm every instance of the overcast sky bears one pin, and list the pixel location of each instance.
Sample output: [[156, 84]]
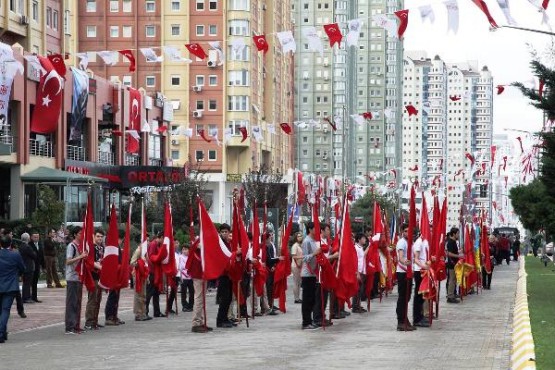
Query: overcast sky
[[504, 51]]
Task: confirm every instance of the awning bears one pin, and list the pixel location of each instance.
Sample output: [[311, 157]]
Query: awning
[[45, 174]]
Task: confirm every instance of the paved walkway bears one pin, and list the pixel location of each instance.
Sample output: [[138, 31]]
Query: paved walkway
[[471, 335]]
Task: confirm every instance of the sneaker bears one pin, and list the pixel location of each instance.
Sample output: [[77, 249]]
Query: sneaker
[[298, 301], [422, 323], [273, 313], [453, 300], [199, 329], [50, 286], [111, 323], [70, 332], [403, 327], [310, 327], [119, 321], [224, 325], [89, 327], [22, 315]]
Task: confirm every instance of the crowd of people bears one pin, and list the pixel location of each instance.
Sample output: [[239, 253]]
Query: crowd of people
[[255, 289]]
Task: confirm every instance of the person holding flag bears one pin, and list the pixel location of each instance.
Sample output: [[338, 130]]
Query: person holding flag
[[453, 256], [74, 287], [95, 295], [421, 264], [404, 284], [308, 276], [155, 256]]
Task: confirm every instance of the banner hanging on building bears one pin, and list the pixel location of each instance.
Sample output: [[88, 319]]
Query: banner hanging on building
[[78, 103]]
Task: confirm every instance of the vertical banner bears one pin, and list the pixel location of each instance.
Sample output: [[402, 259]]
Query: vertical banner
[[78, 103]]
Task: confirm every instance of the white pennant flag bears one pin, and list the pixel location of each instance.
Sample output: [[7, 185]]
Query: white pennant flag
[[145, 127], [314, 41], [359, 119], [151, 56], [354, 27], [83, 60], [426, 107], [174, 54], [213, 133], [34, 61], [504, 5], [216, 46], [237, 47], [376, 114], [389, 114], [227, 135], [272, 129], [256, 133], [389, 25], [109, 57], [427, 12], [188, 132], [287, 41], [452, 15]]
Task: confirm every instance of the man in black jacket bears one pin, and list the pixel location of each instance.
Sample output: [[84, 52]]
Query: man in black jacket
[[30, 258], [271, 261], [37, 247]]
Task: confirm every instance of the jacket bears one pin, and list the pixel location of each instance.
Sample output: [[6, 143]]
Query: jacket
[[11, 266]]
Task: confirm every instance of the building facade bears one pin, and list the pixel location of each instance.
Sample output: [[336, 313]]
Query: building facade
[[346, 81], [447, 144]]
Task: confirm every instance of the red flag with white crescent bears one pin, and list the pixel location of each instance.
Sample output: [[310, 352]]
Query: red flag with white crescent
[[403, 16], [125, 253], [334, 33], [128, 54], [261, 43], [168, 263], [196, 50], [214, 253], [484, 8], [134, 109], [44, 118], [110, 260], [59, 65]]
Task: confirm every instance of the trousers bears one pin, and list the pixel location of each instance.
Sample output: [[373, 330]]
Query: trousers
[[74, 294], [404, 290]]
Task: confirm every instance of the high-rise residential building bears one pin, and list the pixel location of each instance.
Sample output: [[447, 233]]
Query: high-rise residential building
[[233, 87], [446, 144], [344, 81]]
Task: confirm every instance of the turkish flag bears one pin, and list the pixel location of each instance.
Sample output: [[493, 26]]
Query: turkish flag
[[377, 219], [367, 115], [134, 109], [484, 8], [123, 276], [454, 97], [45, 116], [283, 267], [109, 278], [244, 134], [196, 50], [214, 253], [347, 283], [168, 264], [86, 265], [301, 192], [500, 89], [130, 57], [59, 65], [133, 145], [285, 127], [403, 16], [202, 134], [470, 157], [411, 110], [261, 43], [334, 33], [332, 124]]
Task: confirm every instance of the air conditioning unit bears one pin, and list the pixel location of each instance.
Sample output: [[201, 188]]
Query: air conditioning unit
[[326, 64], [175, 142], [211, 63], [197, 88], [24, 20], [197, 113]]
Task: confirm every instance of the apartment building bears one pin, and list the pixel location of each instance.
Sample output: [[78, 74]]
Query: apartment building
[[346, 81], [455, 121]]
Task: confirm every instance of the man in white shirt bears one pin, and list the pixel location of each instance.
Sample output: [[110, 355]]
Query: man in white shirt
[[360, 242], [404, 285], [420, 251], [186, 281]]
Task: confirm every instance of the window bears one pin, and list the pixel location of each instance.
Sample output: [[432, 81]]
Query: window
[[176, 30], [200, 30], [199, 79], [91, 31], [212, 105], [48, 17], [126, 31], [91, 6], [213, 5], [212, 30], [67, 23], [175, 80], [150, 81], [234, 126], [200, 5], [239, 4], [213, 80], [238, 78], [239, 28], [114, 6], [199, 155], [127, 6], [199, 105], [176, 5], [150, 31], [238, 103], [114, 31], [154, 143], [127, 80], [55, 19], [150, 6], [211, 155], [35, 10], [175, 155]]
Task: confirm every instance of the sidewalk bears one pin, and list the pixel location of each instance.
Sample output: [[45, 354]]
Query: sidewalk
[[472, 335]]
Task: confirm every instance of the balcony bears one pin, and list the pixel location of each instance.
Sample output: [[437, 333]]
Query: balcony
[[235, 141], [41, 148], [76, 153], [105, 157], [8, 142], [131, 160], [156, 162]]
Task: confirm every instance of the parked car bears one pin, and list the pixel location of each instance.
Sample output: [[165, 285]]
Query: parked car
[[549, 249]]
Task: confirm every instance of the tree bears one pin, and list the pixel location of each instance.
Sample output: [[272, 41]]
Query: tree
[[534, 206], [50, 210], [364, 207]]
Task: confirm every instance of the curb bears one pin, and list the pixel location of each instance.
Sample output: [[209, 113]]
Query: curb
[[522, 352]]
